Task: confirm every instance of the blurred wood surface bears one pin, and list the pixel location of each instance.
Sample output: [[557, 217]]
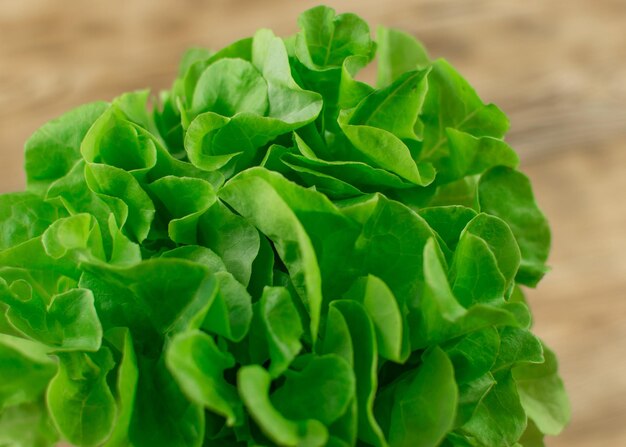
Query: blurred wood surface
[[557, 68]]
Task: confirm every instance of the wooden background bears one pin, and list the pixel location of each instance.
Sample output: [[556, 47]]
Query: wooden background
[[557, 67]]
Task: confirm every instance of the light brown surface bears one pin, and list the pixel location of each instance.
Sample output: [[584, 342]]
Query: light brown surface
[[557, 67]]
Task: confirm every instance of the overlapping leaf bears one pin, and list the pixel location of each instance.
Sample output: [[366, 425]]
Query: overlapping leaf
[[278, 254]]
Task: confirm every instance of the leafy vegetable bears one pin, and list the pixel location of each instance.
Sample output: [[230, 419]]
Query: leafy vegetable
[[278, 254]]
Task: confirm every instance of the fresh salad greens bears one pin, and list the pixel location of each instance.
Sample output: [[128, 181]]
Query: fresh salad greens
[[278, 254]]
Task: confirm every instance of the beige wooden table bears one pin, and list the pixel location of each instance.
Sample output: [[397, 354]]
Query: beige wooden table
[[557, 67]]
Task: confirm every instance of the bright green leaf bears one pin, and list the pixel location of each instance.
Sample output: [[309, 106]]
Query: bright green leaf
[[328, 39], [53, 149], [423, 404], [25, 370], [162, 414], [364, 362], [398, 52], [499, 419], [322, 390], [386, 316], [283, 328], [254, 385], [198, 365], [542, 394], [230, 314], [127, 376], [79, 398], [507, 194]]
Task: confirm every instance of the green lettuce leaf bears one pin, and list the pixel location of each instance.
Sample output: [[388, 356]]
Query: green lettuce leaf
[[321, 390], [273, 252], [398, 53], [384, 311], [507, 194], [162, 413], [499, 419], [364, 361], [328, 39], [283, 328], [198, 365], [79, 399], [25, 369], [24, 216], [253, 384], [51, 152], [542, 394], [127, 376], [419, 409]]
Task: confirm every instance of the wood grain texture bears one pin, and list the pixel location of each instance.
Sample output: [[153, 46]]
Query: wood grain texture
[[557, 67]]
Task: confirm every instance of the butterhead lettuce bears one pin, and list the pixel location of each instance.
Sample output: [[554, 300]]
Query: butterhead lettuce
[[278, 254]]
